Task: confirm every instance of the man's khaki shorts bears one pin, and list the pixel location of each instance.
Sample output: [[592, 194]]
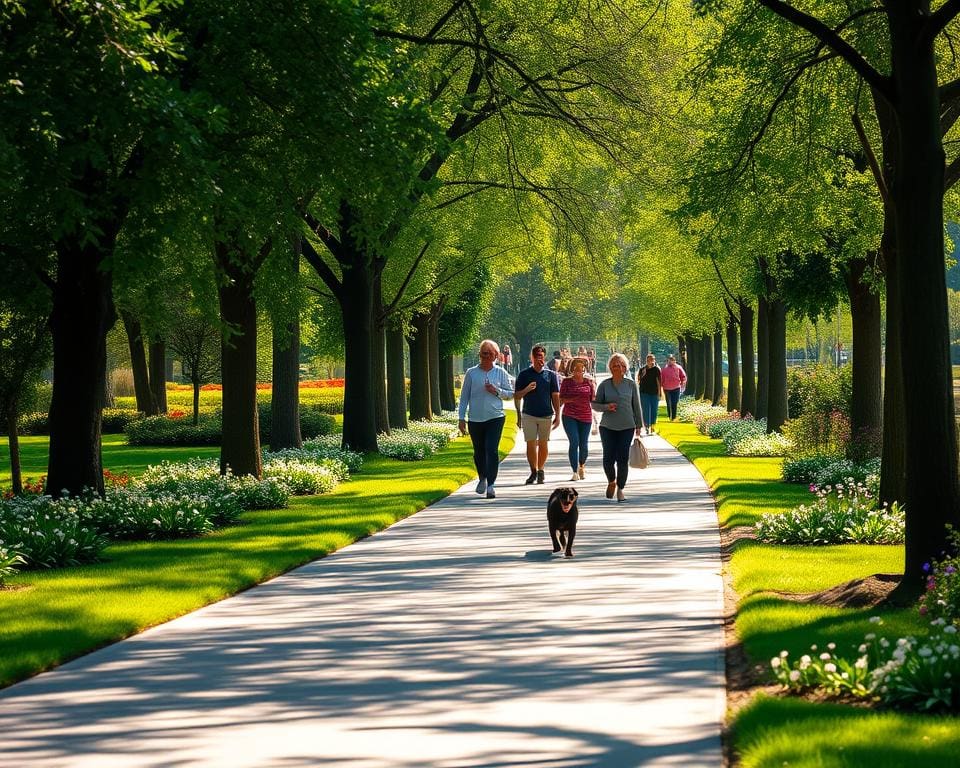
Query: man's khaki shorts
[[536, 428]]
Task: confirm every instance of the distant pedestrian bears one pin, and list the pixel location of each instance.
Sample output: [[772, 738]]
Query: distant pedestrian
[[538, 388], [592, 358], [618, 399], [673, 379], [576, 394], [507, 358], [648, 379], [554, 364], [485, 387]]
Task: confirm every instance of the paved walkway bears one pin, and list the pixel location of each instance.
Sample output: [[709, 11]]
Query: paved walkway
[[452, 640]]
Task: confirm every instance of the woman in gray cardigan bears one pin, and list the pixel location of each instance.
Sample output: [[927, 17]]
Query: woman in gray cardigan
[[618, 399]]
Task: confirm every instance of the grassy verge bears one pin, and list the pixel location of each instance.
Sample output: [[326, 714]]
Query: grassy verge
[[52, 616], [781, 731]]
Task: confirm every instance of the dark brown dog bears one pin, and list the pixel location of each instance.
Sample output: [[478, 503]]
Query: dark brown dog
[[562, 516]]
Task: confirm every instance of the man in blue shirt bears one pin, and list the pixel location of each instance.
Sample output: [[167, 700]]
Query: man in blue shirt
[[539, 389]]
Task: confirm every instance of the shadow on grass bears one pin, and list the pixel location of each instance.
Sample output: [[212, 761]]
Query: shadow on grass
[[786, 731]]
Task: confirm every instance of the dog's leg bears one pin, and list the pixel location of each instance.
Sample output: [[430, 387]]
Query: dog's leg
[[562, 538], [557, 546], [571, 533]]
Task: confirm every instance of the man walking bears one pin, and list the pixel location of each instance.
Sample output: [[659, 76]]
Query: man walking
[[539, 389]]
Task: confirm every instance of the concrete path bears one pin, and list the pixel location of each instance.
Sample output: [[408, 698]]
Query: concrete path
[[453, 640]]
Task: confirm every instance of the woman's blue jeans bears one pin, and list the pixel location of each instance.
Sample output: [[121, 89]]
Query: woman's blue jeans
[[672, 396], [616, 453], [648, 406], [485, 436], [578, 433]]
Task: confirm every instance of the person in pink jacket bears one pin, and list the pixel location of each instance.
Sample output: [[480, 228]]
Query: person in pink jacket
[[673, 379]]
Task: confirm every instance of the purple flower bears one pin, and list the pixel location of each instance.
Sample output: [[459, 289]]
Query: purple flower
[[923, 610], [949, 569], [926, 567]]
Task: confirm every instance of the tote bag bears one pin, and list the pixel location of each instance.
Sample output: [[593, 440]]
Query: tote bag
[[639, 458]]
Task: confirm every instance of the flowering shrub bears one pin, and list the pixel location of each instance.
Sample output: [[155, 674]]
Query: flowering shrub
[[941, 600], [47, 533], [842, 514], [844, 469], [717, 426], [802, 469], [742, 430], [438, 432], [911, 673], [201, 477], [822, 432], [324, 447], [8, 564], [140, 514], [116, 479], [30, 485], [405, 445], [691, 409], [773, 444], [305, 477]]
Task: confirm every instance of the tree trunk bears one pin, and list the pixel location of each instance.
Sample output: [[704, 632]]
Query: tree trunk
[[285, 394], [196, 401], [733, 367], [16, 475], [433, 328], [448, 397], [893, 461], [644, 348], [763, 358], [717, 367], [420, 408], [682, 352], [708, 375], [138, 362], [378, 360], [696, 366], [158, 373], [356, 306], [396, 379], [777, 366], [865, 405], [932, 485], [748, 400], [240, 447], [82, 314]]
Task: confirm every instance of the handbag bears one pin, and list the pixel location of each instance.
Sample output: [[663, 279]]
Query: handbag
[[639, 458]]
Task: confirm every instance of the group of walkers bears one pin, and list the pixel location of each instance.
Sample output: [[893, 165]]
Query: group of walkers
[[545, 400]]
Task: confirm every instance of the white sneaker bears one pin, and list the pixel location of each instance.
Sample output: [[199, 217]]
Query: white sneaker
[[482, 485], [491, 494], [620, 496], [574, 477]]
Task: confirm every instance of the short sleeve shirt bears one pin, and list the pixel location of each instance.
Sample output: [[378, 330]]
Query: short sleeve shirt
[[538, 403]]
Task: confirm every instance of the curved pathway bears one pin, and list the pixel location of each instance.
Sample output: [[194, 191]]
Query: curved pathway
[[454, 639]]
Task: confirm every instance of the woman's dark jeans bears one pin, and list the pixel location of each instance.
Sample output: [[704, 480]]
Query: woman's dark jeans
[[485, 436], [649, 405], [616, 453], [578, 433], [672, 396]]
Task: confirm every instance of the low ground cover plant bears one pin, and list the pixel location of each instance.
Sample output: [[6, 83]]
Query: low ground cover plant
[[319, 448], [917, 673], [846, 513], [419, 440]]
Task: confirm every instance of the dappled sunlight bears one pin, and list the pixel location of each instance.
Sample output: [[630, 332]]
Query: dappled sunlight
[[439, 642]]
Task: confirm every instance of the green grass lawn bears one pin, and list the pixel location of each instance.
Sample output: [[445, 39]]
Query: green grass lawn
[[52, 616], [782, 731]]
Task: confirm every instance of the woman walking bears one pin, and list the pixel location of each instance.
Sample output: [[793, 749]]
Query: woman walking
[[673, 379], [576, 394], [649, 380], [618, 399], [485, 387]]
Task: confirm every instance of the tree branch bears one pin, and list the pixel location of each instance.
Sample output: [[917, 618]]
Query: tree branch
[[871, 159], [938, 20], [831, 38]]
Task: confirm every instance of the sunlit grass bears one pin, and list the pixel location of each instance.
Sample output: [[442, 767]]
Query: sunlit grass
[[788, 731], [52, 616], [799, 734]]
